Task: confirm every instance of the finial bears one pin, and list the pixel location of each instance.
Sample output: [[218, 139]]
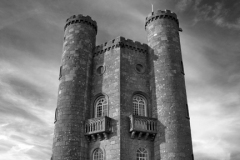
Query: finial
[[152, 7]]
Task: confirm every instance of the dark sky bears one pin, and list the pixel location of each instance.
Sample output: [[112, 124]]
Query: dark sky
[[31, 36]]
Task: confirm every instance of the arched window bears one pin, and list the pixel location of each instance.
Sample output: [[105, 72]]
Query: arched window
[[98, 154], [139, 105], [101, 107], [142, 154]]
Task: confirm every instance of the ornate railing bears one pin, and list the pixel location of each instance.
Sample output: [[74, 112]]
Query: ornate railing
[[143, 127], [97, 128]]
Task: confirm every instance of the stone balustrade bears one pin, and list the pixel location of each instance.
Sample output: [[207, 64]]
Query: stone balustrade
[[97, 128], [143, 127]]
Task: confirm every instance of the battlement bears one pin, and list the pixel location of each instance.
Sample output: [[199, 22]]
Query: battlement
[[81, 19], [161, 14], [120, 42]]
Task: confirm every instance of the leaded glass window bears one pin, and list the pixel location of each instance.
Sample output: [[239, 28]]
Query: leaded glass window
[[142, 154], [98, 154], [101, 106], [139, 105]]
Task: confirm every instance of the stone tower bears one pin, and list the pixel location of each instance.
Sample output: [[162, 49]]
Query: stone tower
[[168, 91], [122, 100]]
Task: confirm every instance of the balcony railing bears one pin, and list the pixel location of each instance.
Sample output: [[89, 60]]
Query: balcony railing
[[97, 128], [143, 127]]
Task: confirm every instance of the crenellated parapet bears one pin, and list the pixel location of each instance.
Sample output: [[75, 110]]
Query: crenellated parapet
[[159, 14], [81, 19], [122, 43]]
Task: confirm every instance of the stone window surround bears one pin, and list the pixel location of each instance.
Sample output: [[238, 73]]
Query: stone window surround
[[98, 151], [103, 106], [142, 68], [97, 69], [138, 105], [93, 103], [145, 94]]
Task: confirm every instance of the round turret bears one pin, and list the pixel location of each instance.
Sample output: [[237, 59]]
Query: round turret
[[168, 83], [73, 93]]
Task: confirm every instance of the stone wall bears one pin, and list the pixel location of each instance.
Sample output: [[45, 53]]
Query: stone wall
[[108, 84], [169, 101], [134, 80], [73, 94]]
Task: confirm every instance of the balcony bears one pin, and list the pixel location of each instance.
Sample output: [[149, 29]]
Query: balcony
[[143, 127], [97, 128]]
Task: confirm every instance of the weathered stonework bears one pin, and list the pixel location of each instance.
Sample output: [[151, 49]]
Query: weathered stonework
[[118, 70], [168, 91], [73, 103]]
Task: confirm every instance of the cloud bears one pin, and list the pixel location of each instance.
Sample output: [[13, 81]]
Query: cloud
[[235, 156], [207, 12], [31, 36], [213, 86], [27, 89], [218, 13], [220, 21], [24, 139], [210, 132], [17, 152], [183, 5], [11, 109]]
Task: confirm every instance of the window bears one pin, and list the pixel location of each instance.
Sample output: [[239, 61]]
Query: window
[[142, 154], [182, 68], [140, 68], [187, 112], [98, 154], [101, 107], [56, 115], [60, 73], [139, 105], [101, 70]]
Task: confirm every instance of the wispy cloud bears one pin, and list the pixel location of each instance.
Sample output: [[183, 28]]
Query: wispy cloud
[[183, 5], [216, 13], [220, 21], [213, 86], [31, 35]]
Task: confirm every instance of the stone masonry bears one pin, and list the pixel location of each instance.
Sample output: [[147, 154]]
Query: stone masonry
[[168, 92], [118, 70]]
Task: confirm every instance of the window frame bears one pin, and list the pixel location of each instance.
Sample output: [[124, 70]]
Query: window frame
[[141, 153], [96, 150], [104, 110], [139, 109]]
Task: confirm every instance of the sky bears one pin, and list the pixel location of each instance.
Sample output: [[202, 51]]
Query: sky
[[31, 37]]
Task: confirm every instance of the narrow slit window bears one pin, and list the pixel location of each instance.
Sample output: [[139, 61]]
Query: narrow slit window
[[60, 72], [182, 68], [56, 115], [187, 112]]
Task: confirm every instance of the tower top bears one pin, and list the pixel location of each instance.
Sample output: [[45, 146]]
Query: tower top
[[161, 14], [81, 19], [121, 42]]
